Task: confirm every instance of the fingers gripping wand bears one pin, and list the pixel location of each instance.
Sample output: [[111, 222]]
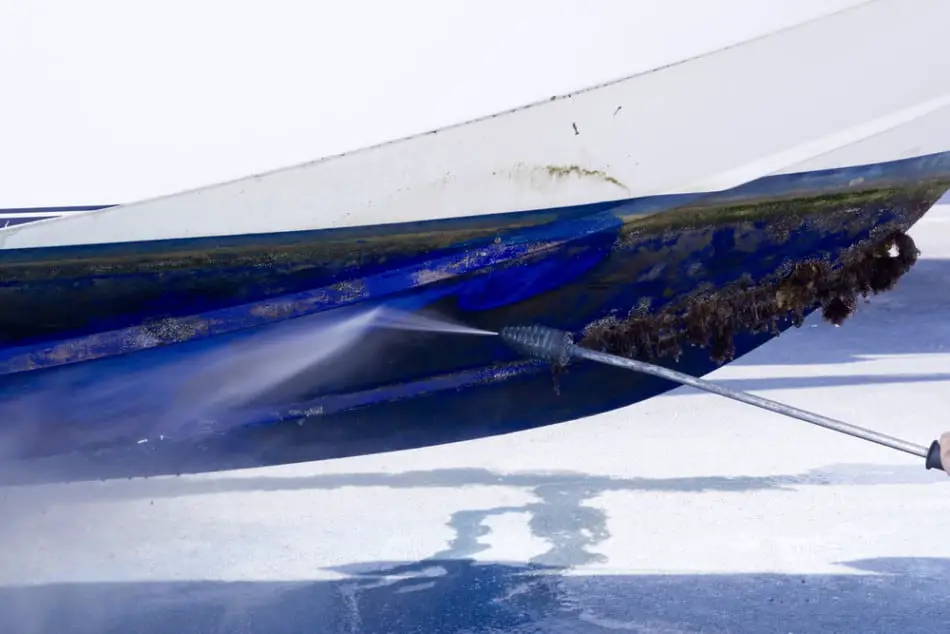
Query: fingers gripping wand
[[558, 348]]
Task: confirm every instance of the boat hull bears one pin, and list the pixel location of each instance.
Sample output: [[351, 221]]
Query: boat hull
[[719, 199], [242, 365]]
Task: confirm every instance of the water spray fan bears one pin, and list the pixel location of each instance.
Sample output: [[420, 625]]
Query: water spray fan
[[558, 348]]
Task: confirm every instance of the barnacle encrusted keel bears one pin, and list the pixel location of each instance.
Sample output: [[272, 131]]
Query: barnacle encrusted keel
[[711, 319]]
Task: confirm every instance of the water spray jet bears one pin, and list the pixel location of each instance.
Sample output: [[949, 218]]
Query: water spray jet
[[401, 320]]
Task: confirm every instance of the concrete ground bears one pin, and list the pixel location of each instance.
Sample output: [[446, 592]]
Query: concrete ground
[[687, 513]]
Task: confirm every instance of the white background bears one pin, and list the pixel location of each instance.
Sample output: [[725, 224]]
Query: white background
[[109, 101]]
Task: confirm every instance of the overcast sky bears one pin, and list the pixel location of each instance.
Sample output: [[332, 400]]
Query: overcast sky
[[106, 101]]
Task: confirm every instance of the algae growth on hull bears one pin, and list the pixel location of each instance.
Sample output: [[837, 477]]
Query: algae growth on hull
[[710, 316], [711, 319]]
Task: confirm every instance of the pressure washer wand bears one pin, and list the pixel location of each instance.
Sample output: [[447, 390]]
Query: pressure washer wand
[[558, 347]]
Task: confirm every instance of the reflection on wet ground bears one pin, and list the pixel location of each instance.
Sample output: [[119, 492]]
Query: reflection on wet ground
[[457, 596]]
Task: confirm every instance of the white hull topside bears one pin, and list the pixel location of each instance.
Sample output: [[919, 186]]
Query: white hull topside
[[865, 85]]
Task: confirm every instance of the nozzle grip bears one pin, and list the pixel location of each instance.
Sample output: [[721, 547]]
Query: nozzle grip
[[933, 456]]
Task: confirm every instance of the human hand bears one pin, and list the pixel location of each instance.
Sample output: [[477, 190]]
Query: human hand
[[945, 451]]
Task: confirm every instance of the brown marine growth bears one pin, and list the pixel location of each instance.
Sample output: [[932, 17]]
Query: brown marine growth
[[710, 319]]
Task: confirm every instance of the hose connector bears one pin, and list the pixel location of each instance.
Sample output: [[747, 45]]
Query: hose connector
[[934, 461], [549, 344]]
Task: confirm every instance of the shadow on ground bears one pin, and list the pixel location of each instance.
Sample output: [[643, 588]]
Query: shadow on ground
[[459, 596], [557, 488]]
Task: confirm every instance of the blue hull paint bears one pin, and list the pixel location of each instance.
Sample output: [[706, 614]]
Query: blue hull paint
[[116, 359]]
